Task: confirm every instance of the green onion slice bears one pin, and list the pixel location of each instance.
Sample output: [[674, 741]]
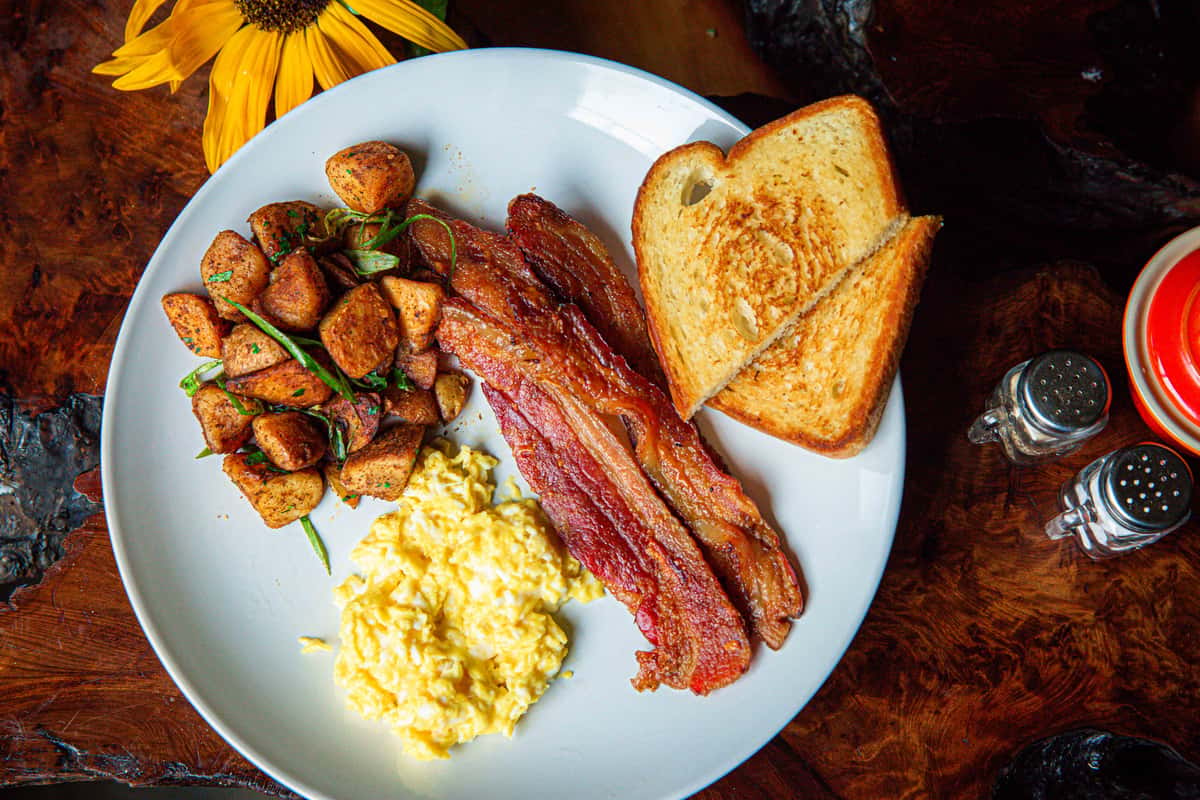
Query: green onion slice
[[295, 351], [221, 277], [318, 546], [369, 262], [204, 453], [192, 381]]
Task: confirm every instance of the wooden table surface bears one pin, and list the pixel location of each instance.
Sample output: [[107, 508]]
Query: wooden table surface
[[984, 635]]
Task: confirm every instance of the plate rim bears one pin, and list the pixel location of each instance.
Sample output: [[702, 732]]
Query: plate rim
[[113, 390]]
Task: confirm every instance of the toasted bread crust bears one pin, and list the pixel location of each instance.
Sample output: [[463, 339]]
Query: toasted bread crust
[[723, 279], [768, 395]]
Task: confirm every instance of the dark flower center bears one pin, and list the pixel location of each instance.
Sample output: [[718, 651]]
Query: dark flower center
[[286, 16]]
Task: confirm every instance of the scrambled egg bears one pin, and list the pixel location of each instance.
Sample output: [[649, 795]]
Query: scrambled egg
[[447, 634]]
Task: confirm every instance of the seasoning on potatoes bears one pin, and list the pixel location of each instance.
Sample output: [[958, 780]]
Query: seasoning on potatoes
[[247, 349], [286, 384], [421, 368], [381, 469], [297, 294], [418, 308], [358, 421], [450, 390], [225, 428], [360, 331], [233, 267], [415, 406], [283, 228], [279, 498], [291, 440], [196, 321], [371, 176]]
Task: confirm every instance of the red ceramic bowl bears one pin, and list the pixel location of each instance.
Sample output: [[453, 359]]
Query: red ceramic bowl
[[1161, 337]]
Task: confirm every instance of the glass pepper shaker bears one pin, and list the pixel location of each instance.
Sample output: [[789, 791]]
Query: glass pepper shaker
[[1125, 500], [1045, 407]]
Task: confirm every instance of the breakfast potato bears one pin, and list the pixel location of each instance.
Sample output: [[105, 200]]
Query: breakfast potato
[[381, 469], [371, 176], [358, 234], [247, 349], [450, 390], [225, 428], [291, 440], [285, 384], [278, 497], [297, 294], [360, 331], [421, 368], [333, 476], [433, 242], [415, 406], [283, 228], [359, 421], [339, 272], [235, 268], [196, 321], [418, 309]]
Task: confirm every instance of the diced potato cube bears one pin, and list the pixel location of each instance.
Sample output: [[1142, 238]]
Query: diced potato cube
[[235, 268], [286, 384], [333, 475], [359, 421], [360, 331], [433, 242], [278, 497], [225, 428], [339, 271], [197, 322], [292, 440], [418, 309], [297, 295], [357, 235], [450, 389], [283, 228], [421, 368], [415, 406], [381, 469], [371, 176], [247, 349]]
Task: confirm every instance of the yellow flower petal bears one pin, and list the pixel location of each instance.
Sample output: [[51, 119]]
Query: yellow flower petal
[[239, 89], [200, 33], [327, 63], [139, 15], [295, 82], [357, 45], [412, 22]]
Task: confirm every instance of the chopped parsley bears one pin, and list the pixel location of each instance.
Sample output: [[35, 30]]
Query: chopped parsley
[[254, 348], [221, 277]]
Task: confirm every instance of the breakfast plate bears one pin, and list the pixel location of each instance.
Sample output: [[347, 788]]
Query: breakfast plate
[[223, 600]]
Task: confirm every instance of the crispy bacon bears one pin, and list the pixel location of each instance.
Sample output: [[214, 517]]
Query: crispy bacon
[[559, 350], [577, 265], [640, 552]]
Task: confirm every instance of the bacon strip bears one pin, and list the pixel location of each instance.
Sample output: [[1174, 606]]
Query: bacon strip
[[577, 265], [559, 350], [609, 517]]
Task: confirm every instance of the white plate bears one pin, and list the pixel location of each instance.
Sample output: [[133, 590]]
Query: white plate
[[222, 599]]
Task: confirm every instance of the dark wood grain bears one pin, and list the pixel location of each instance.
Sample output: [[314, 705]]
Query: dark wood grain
[[984, 636]]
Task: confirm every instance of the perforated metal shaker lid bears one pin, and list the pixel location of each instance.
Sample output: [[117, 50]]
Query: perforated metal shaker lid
[[1064, 391], [1147, 487]]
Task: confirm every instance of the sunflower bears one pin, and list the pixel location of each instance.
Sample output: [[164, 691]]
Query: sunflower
[[262, 45]]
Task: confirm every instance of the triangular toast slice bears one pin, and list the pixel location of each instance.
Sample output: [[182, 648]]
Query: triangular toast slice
[[825, 382], [731, 250]]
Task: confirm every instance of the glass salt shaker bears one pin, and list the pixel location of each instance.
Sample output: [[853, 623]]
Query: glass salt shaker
[[1125, 500], [1045, 407]]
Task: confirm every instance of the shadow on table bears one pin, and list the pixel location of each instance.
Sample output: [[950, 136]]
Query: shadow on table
[[112, 790]]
